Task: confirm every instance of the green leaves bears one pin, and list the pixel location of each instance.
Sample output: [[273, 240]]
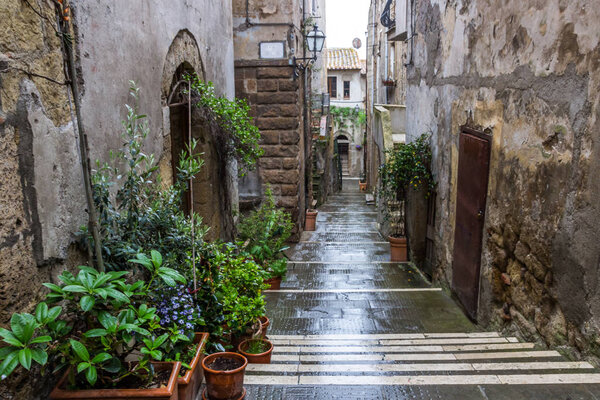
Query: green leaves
[[407, 166], [154, 265], [87, 302], [23, 345], [80, 350]]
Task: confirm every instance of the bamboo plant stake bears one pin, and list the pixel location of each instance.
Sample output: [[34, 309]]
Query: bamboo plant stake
[[64, 29]]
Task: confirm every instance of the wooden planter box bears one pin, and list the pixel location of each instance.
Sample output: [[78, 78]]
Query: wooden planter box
[[168, 392], [189, 384]]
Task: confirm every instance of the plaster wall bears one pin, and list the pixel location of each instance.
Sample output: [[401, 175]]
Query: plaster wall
[[356, 88], [266, 21], [529, 73], [42, 202]]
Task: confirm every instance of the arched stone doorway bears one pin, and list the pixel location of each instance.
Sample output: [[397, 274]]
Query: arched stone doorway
[[343, 145], [208, 188]]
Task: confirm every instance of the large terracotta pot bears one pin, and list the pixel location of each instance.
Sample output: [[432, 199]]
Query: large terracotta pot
[[224, 385], [362, 186], [189, 384], [398, 249], [311, 220], [264, 325], [274, 283], [260, 358], [168, 392]]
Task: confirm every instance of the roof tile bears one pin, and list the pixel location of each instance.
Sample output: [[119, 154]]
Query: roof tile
[[346, 58]]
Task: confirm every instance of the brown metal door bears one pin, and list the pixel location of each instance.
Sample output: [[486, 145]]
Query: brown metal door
[[473, 172]]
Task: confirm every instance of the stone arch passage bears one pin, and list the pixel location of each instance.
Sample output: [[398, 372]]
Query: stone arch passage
[[343, 145], [209, 186]]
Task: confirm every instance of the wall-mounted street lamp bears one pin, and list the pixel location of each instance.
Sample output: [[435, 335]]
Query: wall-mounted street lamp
[[314, 41]]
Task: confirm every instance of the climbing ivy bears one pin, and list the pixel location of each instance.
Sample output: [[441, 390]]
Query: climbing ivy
[[234, 131], [343, 116]]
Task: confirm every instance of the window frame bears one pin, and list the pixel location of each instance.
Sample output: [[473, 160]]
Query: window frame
[[346, 83], [332, 86]]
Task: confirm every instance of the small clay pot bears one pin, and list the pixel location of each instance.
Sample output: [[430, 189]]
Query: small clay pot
[[224, 385], [398, 249], [362, 186], [274, 283], [260, 358], [168, 392], [189, 384], [311, 220], [264, 325]]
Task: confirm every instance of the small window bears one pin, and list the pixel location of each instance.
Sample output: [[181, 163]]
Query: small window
[[332, 86], [346, 89]]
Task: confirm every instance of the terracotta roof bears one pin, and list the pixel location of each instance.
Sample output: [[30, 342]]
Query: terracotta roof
[[343, 59]]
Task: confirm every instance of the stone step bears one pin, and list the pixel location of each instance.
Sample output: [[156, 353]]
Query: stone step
[[491, 379]]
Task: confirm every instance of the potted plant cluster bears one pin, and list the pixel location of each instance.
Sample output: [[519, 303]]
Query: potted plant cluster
[[138, 325], [264, 232], [362, 183], [406, 168]]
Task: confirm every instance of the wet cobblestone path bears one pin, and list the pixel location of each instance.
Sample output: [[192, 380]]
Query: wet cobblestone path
[[349, 324]]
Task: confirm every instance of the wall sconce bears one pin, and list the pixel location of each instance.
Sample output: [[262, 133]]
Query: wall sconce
[[314, 41]]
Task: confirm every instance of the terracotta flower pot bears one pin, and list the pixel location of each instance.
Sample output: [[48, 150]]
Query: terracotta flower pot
[[168, 392], [189, 384], [311, 220], [260, 358], [398, 249], [264, 325], [274, 283], [224, 385], [362, 186]]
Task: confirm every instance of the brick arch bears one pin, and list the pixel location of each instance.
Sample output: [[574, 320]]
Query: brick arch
[[184, 50]]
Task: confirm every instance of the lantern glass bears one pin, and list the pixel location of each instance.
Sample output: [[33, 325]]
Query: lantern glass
[[315, 40]]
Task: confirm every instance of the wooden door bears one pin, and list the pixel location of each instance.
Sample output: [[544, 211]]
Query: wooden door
[[473, 173]]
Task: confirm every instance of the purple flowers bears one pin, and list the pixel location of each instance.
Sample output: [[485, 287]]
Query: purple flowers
[[176, 308]]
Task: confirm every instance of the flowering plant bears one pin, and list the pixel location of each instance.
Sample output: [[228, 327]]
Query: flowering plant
[[177, 309]]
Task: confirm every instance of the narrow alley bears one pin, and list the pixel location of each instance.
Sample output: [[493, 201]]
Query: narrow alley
[[347, 323]]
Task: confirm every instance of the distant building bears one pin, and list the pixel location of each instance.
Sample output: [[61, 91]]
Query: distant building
[[346, 84]]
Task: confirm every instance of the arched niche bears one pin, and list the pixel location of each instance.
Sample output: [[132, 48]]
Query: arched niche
[[181, 118]]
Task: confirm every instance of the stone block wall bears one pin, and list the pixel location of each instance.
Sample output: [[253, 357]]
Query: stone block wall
[[528, 73], [275, 99]]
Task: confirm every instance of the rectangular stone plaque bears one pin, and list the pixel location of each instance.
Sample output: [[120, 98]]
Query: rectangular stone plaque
[[272, 50]]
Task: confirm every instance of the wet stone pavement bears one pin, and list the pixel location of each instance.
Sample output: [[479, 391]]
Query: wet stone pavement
[[349, 324]]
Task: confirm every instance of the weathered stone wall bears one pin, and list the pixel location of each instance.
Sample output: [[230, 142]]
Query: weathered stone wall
[[275, 98], [529, 72], [42, 203]]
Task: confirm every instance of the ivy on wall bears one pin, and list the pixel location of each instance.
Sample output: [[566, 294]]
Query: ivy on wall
[[347, 116]]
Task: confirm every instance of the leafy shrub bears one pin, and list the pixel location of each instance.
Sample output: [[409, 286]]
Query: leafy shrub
[[105, 321], [264, 232], [407, 167], [143, 215]]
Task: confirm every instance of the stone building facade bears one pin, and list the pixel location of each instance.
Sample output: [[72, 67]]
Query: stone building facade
[[522, 79], [346, 86], [268, 34], [42, 202]]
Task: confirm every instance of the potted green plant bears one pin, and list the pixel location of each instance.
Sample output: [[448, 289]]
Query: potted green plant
[[224, 374], [406, 168], [264, 232], [310, 223], [257, 350], [104, 334], [362, 183]]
